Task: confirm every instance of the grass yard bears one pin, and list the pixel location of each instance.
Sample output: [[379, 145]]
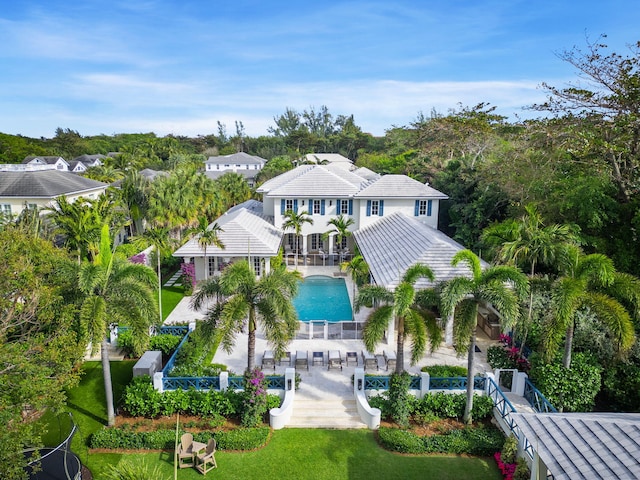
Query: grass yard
[[171, 296], [291, 453]]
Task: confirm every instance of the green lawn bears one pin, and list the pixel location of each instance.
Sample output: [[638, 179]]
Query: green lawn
[[291, 453], [171, 296]]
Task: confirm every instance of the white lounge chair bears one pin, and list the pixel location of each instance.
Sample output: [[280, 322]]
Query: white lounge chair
[[390, 358], [335, 359], [268, 360], [369, 360]]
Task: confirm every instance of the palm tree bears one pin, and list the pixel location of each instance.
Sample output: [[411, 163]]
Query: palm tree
[[499, 286], [526, 243], [399, 306], [159, 238], [207, 236], [243, 301], [115, 291], [591, 281], [340, 228], [359, 270], [295, 221], [134, 197]]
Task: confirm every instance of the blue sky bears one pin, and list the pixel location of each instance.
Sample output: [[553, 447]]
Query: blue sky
[[178, 67]]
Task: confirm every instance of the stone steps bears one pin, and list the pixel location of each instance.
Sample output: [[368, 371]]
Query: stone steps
[[311, 413]]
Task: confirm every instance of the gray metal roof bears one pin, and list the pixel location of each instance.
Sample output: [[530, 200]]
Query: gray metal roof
[[235, 158], [48, 159], [586, 446], [399, 186], [329, 157], [45, 184], [244, 231], [319, 180], [395, 242], [364, 172], [246, 174]]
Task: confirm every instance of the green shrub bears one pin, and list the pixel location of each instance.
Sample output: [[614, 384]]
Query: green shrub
[[509, 450], [522, 470], [570, 389], [451, 405], [140, 399], [164, 439], [498, 357], [440, 371], [398, 440], [381, 402], [165, 342]]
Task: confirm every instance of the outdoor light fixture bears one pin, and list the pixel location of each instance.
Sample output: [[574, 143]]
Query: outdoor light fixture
[[359, 384], [288, 384]]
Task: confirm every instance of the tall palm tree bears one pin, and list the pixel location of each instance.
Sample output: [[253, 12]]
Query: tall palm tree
[[359, 270], [295, 221], [340, 228], [499, 286], [591, 282], [159, 238], [527, 243], [207, 236], [245, 301], [115, 291], [399, 306], [133, 194]]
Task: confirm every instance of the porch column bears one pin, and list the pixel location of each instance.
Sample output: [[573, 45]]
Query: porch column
[[448, 332], [304, 244], [331, 240]]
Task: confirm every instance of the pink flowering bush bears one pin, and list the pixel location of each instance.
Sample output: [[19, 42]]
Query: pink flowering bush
[[255, 401], [507, 469], [188, 276], [139, 258]]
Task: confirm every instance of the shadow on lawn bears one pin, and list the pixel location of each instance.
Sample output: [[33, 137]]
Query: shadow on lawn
[[87, 413]]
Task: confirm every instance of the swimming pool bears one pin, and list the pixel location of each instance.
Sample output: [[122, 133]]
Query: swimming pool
[[323, 298]]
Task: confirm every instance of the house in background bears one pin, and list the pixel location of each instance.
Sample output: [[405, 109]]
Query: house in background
[[327, 158], [242, 163], [83, 162], [38, 186], [59, 163]]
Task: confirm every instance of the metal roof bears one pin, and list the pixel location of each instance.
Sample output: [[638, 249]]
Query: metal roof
[[240, 157], [587, 446], [45, 184], [245, 230], [399, 186], [394, 243], [320, 181]]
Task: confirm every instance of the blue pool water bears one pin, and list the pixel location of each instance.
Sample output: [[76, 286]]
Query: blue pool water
[[323, 298]]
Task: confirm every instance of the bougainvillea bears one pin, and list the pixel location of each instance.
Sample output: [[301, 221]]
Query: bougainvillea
[[255, 398], [188, 275], [139, 258]]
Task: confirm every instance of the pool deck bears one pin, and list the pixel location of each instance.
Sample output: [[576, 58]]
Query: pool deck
[[320, 382]]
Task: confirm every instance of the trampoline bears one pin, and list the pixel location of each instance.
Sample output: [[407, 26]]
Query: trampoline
[[55, 463]]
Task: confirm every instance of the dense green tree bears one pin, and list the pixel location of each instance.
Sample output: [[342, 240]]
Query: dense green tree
[[502, 287], [399, 307], [358, 268], [244, 301], [234, 188]]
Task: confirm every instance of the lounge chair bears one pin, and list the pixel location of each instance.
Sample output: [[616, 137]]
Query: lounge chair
[[268, 360], [352, 357], [185, 451], [302, 359], [369, 360], [206, 460], [318, 357], [335, 359], [390, 357], [285, 358]]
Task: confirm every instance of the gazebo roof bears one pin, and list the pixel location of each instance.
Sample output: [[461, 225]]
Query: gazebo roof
[[586, 446]]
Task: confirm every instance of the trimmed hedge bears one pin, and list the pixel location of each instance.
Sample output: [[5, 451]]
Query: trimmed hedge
[[439, 371], [480, 441], [164, 439], [164, 342]]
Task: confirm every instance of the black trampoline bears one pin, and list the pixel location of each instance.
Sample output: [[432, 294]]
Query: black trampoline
[[55, 463]]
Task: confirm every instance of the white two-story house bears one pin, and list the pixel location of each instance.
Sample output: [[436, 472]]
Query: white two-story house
[[242, 163]]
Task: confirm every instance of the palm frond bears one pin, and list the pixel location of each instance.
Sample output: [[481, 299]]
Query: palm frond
[[453, 292], [416, 329], [471, 259], [371, 295], [615, 318], [417, 271], [465, 322], [375, 326]]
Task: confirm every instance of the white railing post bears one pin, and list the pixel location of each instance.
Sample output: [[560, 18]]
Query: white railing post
[[157, 381], [224, 381], [519, 380], [424, 384], [192, 326]]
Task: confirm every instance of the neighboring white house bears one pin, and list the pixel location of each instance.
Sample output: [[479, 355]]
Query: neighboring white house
[[242, 163], [59, 163], [81, 163], [39, 186]]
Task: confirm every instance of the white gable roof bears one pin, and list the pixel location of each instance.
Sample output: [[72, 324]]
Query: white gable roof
[[395, 242], [244, 231], [236, 158], [399, 186]]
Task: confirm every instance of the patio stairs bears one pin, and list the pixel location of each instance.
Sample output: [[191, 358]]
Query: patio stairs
[[325, 413]]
